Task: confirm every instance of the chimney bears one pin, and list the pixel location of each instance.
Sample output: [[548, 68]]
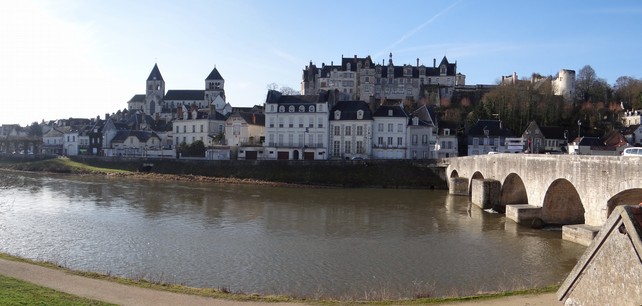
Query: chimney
[[434, 63], [254, 119], [417, 62], [106, 116]]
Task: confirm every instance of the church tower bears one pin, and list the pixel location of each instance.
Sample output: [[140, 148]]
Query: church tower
[[155, 92], [215, 91]]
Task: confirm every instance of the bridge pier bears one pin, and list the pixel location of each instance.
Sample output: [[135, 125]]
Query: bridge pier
[[485, 193], [580, 233], [523, 213], [458, 186]]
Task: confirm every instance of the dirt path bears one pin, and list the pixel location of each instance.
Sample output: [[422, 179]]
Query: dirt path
[[131, 295]]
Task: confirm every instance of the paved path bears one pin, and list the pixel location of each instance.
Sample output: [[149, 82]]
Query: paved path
[[131, 295]]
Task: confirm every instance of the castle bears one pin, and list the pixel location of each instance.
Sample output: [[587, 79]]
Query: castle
[[364, 80]]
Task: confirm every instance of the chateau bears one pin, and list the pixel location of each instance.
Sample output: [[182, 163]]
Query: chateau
[[364, 80]]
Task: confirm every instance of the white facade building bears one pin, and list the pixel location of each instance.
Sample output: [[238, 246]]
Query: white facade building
[[389, 133], [422, 135], [350, 130], [296, 126]]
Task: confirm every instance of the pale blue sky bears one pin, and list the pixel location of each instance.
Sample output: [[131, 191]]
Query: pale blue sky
[[67, 58]]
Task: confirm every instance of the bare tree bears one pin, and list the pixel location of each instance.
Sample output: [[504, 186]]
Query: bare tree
[[286, 90]]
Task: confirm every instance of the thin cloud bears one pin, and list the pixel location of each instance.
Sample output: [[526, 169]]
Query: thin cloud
[[288, 57], [412, 32]]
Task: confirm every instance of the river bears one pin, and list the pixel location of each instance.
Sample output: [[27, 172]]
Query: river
[[304, 242]]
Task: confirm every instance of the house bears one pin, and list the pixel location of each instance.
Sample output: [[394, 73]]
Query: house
[[448, 142], [350, 130], [297, 125], [422, 134], [53, 141], [134, 143], [488, 136], [632, 117], [633, 134], [545, 139], [610, 271], [389, 133], [612, 143], [245, 134], [196, 125]]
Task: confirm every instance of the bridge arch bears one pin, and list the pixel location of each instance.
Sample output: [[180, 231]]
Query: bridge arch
[[513, 192], [562, 204], [476, 176], [454, 174], [626, 197]]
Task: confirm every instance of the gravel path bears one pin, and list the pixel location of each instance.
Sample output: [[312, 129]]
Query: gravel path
[[131, 295]]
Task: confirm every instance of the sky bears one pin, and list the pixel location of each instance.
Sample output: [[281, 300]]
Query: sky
[[84, 58]]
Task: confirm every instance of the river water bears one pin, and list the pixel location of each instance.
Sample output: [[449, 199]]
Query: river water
[[312, 242]]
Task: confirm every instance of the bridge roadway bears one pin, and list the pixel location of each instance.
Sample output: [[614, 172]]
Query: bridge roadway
[[561, 189]]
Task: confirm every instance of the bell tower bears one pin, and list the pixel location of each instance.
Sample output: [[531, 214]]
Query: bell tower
[[215, 91], [155, 91]]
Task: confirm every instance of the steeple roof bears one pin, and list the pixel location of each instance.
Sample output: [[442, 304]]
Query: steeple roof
[[214, 75], [155, 74]]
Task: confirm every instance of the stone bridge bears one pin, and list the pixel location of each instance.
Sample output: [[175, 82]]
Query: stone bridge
[[554, 189]]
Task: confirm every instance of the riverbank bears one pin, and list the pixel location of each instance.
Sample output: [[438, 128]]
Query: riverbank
[[131, 292], [329, 173]]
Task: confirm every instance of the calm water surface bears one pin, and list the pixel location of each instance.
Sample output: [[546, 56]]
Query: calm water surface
[[311, 242]]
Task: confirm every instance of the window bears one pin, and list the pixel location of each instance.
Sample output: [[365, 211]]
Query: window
[[281, 109], [177, 129], [380, 127], [272, 122], [201, 128], [380, 141], [320, 142], [390, 127], [359, 131], [311, 122], [414, 140], [184, 128], [290, 139], [301, 109], [335, 148], [400, 128], [300, 122], [475, 141], [312, 108], [337, 114], [348, 146], [291, 109], [348, 131], [389, 141], [359, 147], [424, 139], [280, 139], [280, 122], [359, 114], [337, 130], [400, 141], [291, 122]]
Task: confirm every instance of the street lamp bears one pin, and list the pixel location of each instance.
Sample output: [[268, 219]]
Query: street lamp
[[579, 130]]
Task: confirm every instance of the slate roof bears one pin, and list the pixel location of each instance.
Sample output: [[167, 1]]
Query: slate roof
[[349, 110], [553, 132], [275, 96], [137, 98], [494, 127], [214, 75], [382, 111], [183, 95], [155, 74], [142, 136], [425, 116], [253, 118]]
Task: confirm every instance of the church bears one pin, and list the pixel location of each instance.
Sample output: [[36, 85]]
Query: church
[[167, 106]]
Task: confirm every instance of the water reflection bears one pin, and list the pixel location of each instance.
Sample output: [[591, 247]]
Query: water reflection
[[330, 242]]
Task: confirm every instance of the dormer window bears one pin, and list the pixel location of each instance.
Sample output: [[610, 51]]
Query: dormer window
[[312, 108], [301, 109], [486, 132], [389, 113], [360, 114], [281, 109], [291, 109], [415, 121], [337, 114], [447, 132]]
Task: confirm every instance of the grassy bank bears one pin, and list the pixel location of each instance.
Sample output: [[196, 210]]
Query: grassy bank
[[371, 173], [223, 293], [16, 292]]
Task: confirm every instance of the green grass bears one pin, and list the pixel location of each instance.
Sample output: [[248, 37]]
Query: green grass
[[57, 165], [223, 293], [16, 292]]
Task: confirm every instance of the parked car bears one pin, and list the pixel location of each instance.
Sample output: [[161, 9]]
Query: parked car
[[632, 152]]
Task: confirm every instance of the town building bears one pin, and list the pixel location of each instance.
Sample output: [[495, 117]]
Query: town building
[[633, 134], [389, 133], [363, 79], [448, 142], [245, 134], [422, 134], [563, 84], [632, 117], [351, 130], [296, 126], [488, 136], [545, 139]]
